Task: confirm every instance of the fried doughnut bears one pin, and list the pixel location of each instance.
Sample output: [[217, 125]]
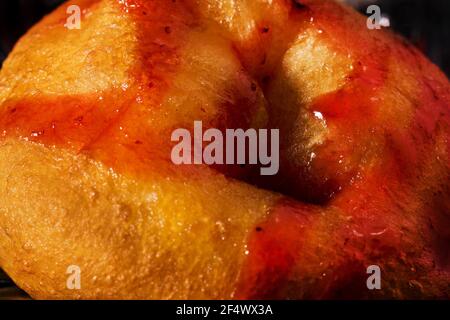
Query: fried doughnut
[[86, 177]]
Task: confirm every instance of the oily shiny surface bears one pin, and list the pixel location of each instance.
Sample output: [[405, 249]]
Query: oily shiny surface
[[86, 177]]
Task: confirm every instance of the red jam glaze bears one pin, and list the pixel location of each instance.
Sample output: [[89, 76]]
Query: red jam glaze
[[350, 113], [72, 120], [386, 178], [114, 126], [273, 250]]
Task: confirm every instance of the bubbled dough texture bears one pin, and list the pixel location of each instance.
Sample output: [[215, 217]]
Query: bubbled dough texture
[[164, 237], [52, 60]]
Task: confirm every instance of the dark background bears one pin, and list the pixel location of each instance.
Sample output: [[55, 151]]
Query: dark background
[[426, 23]]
